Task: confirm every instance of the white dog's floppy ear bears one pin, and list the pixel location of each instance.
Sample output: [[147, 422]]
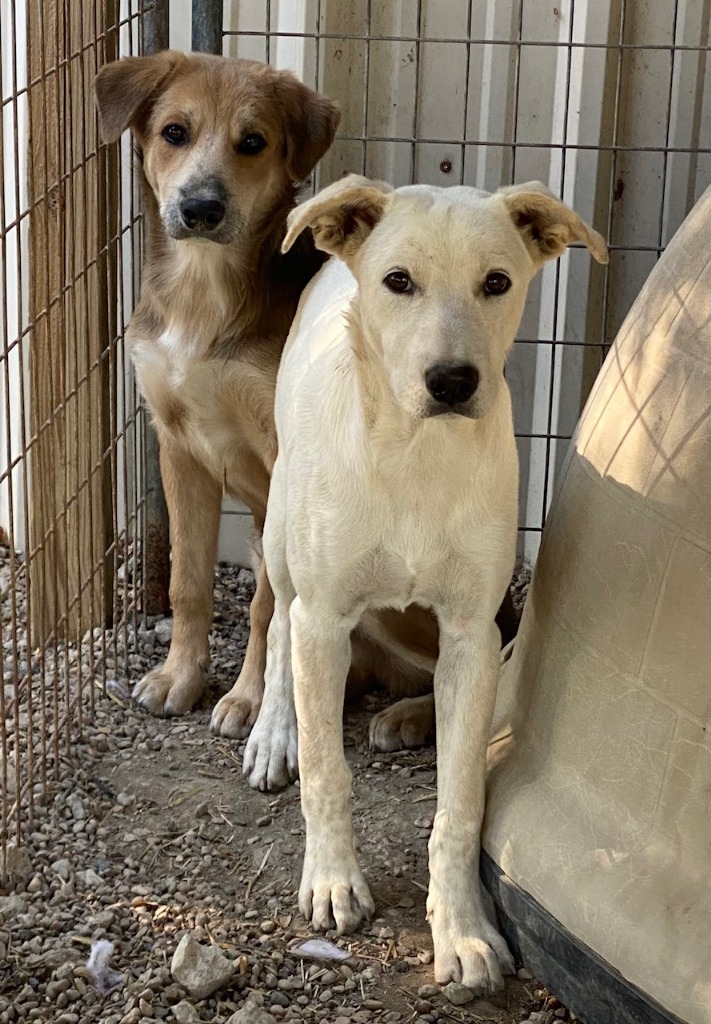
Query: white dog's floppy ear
[[124, 88], [547, 225], [341, 216]]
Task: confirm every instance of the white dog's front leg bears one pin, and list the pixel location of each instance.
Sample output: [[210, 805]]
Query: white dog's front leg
[[333, 888], [270, 757], [467, 946]]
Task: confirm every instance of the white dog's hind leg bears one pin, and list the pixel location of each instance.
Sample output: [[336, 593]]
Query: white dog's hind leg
[[467, 946], [333, 887]]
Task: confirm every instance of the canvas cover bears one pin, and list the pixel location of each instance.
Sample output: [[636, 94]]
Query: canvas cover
[[599, 799]]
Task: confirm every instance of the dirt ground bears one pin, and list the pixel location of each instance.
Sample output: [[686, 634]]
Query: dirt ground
[[154, 833], [198, 780]]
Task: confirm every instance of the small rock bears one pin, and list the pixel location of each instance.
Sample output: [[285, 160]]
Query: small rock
[[36, 884], [185, 1013], [457, 994], [428, 991], [76, 807], [251, 1013], [277, 998], [12, 905], [63, 868], [164, 630], [202, 970], [523, 974], [104, 919], [90, 878], [19, 864]]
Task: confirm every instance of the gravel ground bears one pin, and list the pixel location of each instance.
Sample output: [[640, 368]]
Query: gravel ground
[[152, 835]]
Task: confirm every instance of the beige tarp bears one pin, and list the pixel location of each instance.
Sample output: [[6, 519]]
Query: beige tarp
[[600, 800]]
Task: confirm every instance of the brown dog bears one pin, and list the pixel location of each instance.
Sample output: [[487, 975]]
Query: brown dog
[[222, 144]]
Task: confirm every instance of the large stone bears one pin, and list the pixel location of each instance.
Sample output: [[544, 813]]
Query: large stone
[[200, 969]]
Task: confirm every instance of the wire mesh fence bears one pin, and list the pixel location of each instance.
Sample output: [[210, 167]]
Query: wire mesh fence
[[72, 505]]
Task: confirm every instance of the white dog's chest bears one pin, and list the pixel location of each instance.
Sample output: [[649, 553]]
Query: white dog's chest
[[425, 550]]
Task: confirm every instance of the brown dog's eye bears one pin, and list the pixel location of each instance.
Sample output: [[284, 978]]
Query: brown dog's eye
[[400, 282], [252, 144], [175, 134], [497, 283]]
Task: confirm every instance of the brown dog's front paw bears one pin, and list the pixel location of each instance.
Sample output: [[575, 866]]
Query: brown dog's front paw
[[409, 723], [163, 692], [234, 715]]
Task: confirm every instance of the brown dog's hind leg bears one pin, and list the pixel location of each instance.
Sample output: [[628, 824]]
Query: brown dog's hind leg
[[194, 501], [407, 724], [236, 712], [410, 723]]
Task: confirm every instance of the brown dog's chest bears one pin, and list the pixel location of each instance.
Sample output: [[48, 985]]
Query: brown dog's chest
[[220, 410]]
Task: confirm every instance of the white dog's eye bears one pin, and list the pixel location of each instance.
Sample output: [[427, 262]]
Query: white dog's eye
[[497, 283], [252, 144], [399, 281]]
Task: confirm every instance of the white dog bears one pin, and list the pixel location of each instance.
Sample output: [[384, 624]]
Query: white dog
[[397, 482]]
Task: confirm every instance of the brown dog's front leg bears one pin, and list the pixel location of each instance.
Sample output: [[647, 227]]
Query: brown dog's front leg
[[194, 500], [237, 711]]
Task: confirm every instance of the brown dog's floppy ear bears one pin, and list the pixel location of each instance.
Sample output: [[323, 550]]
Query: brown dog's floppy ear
[[125, 86], [311, 121], [341, 216], [547, 225]]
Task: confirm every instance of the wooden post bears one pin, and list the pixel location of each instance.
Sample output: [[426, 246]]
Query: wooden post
[[70, 385]]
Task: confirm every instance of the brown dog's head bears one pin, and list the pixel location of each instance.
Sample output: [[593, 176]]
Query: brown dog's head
[[220, 138]]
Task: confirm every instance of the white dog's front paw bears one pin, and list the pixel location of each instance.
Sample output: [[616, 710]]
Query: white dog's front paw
[[334, 890], [468, 949], [271, 754]]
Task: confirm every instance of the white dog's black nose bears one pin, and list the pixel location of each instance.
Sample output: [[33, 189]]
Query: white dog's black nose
[[202, 214], [452, 385]]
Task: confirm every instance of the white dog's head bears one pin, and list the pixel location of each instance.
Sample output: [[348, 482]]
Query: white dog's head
[[442, 278]]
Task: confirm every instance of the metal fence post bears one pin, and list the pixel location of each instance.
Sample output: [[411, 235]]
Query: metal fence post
[[207, 25], [156, 542]]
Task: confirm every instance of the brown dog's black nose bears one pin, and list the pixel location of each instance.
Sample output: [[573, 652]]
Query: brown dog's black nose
[[202, 214], [452, 385]]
